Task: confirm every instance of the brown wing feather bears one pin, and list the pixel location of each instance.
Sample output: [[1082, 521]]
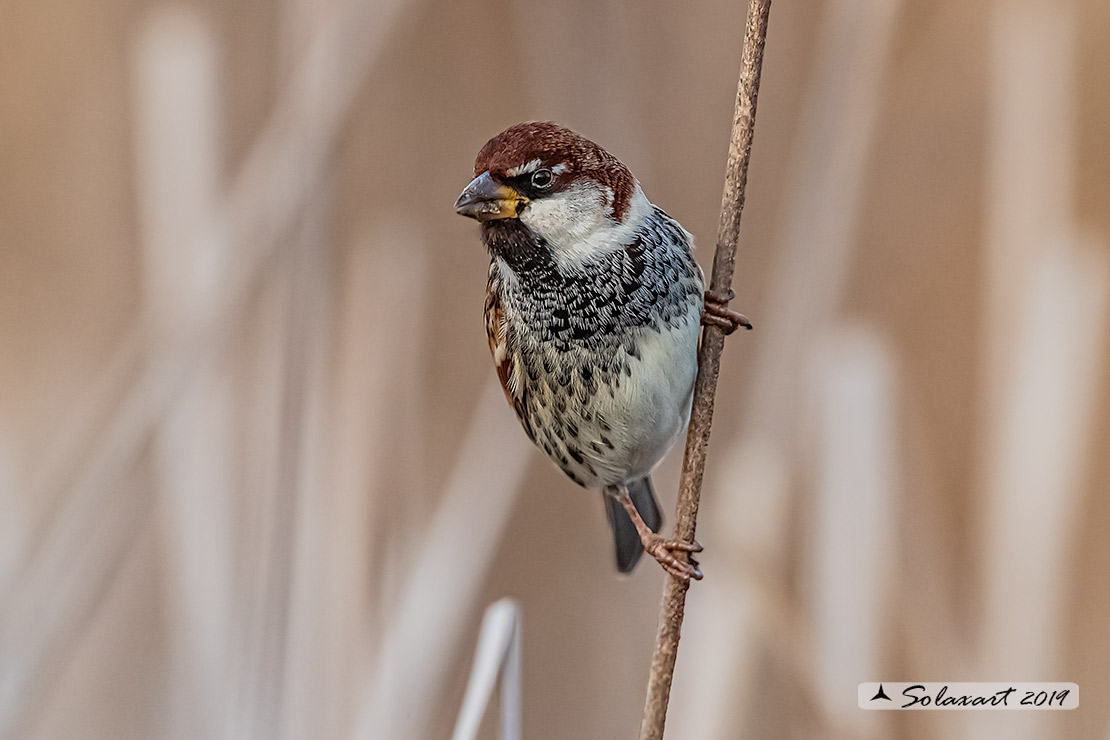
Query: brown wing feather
[[497, 333]]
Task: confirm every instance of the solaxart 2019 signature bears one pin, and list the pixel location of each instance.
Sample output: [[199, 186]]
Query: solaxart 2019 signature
[[1008, 697]]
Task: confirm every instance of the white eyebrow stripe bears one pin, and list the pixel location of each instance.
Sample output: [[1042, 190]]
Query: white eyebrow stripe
[[524, 168], [559, 168]]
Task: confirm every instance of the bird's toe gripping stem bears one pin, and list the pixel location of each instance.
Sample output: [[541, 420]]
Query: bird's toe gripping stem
[[668, 553], [717, 313]]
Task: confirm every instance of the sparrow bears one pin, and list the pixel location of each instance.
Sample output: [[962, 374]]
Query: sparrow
[[593, 310]]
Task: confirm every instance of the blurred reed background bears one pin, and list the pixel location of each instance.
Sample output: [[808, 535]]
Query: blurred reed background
[[256, 478]]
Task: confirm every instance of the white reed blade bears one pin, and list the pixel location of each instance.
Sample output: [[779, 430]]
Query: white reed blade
[[498, 654]]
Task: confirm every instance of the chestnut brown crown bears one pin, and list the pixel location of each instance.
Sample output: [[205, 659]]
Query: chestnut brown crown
[[569, 156]]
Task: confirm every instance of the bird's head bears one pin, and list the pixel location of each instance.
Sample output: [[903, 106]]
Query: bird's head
[[563, 187]]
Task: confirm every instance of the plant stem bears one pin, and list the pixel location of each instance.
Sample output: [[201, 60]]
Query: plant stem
[[709, 365]]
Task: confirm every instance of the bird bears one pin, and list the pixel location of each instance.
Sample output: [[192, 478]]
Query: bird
[[594, 306]]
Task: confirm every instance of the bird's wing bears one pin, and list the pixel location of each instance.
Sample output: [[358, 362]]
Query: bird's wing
[[497, 333]]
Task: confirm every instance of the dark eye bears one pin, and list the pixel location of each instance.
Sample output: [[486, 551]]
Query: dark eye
[[541, 178]]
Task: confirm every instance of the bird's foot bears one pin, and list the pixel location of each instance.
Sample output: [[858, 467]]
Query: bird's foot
[[717, 313], [664, 551]]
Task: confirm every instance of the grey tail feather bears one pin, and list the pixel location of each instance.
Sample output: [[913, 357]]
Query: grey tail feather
[[625, 537]]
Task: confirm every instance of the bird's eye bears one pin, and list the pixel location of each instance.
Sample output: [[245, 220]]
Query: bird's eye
[[541, 178]]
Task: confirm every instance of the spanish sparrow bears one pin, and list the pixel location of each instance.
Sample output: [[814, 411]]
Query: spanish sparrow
[[592, 313]]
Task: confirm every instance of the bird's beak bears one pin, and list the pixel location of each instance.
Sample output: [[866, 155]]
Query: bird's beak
[[485, 199]]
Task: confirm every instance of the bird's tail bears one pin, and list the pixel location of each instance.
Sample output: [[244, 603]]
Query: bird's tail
[[625, 537]]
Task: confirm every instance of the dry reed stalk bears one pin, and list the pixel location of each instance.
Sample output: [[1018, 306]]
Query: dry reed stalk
[[709, 365], [177, 112], [1041, 382], [758, 484]]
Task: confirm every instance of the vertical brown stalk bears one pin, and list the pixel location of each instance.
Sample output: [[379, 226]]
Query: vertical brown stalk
[[709, 365]]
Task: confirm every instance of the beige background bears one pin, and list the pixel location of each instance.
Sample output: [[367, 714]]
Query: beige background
[[256, 480]]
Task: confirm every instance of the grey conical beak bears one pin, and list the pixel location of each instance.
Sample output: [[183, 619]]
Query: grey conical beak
[[485, 199]]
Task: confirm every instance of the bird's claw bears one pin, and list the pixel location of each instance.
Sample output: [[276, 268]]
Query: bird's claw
[[717, 313], [663, 550]]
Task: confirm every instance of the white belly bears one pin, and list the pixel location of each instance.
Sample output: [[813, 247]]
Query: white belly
[[650, 408]]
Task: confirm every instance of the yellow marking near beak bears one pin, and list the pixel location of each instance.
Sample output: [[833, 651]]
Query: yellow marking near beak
[[485, 199]]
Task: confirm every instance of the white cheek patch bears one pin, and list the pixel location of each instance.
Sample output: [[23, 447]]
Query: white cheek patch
[[576, 222], [566, 219]]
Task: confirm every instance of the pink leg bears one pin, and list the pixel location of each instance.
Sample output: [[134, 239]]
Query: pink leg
[[660, 548]]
